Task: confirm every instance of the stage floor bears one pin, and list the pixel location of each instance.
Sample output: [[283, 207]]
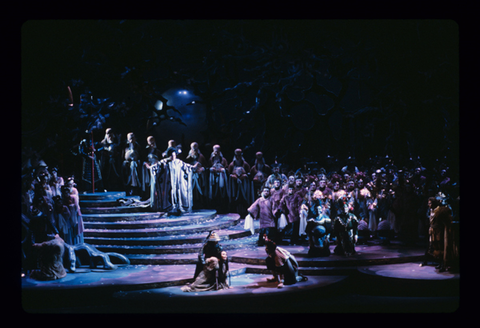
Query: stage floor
[[373, 273], [163, 249]]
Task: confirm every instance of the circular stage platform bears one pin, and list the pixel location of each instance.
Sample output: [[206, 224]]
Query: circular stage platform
[[162, 251]]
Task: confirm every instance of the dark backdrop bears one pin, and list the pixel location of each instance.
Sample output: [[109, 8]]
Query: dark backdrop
[[297, 90]]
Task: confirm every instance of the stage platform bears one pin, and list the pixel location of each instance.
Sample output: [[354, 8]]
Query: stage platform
[[162, 251]]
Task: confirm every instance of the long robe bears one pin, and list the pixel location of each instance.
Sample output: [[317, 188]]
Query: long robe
[[110, 162], [440, 235], [372, 214], [262, 209], [199, 176], [74, 219], [239, 184], [218, 179], [156, 178], [345, 229], [179, 175], [89, 165], [50, 260], [212, 277], [131, 170], [276, 197], [290, 205]]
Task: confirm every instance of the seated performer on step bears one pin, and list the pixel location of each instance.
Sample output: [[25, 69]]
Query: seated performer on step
[[213, 276], [345, 229], [49, 256], [318, 231], [211, 248]]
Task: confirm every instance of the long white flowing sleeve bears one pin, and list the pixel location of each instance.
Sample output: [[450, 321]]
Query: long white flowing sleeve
[[249, 224]]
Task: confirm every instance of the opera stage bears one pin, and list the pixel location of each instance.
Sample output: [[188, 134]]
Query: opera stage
[[162, 251]]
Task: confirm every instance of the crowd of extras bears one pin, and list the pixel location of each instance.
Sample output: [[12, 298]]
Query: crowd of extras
[[330, 202]]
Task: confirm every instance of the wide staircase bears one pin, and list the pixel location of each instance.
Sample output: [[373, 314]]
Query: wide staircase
[[153, 238], [156, 238]]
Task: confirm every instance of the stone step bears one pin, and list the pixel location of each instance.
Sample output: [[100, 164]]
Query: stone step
[[254, 256], [113, 209], [216, 223], [136, 251], [181, 239], [102, 202], [143, 220], [365, 255], [103, 195], [121, 217]]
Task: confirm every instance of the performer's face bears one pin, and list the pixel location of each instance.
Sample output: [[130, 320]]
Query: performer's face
[[360, 183], [276, 184], [224, 255], [298, 182], [265, 192], [336, 186], [109, 136], [322, 184]]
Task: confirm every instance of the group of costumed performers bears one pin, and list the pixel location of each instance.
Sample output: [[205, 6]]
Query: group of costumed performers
[[52, 228], [300, 213], [211, 182]]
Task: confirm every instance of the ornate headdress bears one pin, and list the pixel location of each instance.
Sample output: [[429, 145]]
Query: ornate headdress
[[212, 236]]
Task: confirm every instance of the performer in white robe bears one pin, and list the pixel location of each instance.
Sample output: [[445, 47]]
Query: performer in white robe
[[179, 175]]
